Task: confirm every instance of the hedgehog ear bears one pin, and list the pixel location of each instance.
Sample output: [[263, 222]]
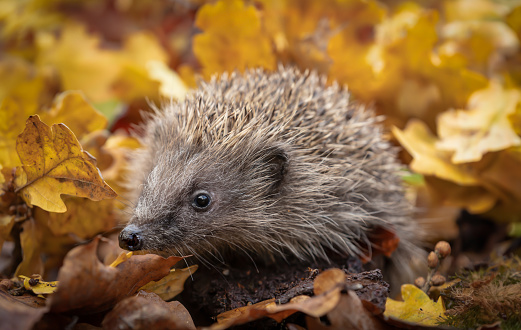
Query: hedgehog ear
[[275, 163]]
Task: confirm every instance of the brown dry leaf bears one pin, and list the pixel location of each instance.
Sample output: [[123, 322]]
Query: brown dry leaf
[[171, 285], [327, 287], [350, 313], [148, 311], [54, 164], [232, 38], [328, 280], [88, 286], [72, 109], [484, 127], [19, 312]]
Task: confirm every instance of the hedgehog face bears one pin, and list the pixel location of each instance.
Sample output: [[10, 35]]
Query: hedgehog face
[[196, 201]]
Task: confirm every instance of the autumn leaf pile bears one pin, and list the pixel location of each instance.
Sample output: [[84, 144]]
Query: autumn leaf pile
[[76, 74]]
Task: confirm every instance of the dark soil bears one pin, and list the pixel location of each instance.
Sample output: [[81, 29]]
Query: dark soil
[[212, 292]]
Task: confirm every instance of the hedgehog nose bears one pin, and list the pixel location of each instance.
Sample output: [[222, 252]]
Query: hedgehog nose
[[130, 238]]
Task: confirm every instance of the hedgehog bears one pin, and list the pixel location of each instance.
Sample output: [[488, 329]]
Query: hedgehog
[[272, 165]]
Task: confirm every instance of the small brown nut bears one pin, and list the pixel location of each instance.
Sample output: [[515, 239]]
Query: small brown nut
[[432, 260], [443, 248], [438, 280], [419, 282]]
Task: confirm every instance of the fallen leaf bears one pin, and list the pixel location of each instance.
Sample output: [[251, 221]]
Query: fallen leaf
[[172, 284], [171, 85], [38, 286], [84, 218], [328, 280], [427, 159], [148, 311], [416, 307], [30, 239], [12, 116], [91, 70], [483, 127], [134, 80], [19, 312], [88, 286], [54, 164], [350, 313], [232, 38], [72, 109], [327, 287]]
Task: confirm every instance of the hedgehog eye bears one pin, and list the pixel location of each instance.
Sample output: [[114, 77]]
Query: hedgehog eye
[[201, 201]]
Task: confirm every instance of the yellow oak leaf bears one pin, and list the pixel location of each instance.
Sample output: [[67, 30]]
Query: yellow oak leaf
[[12, 115], [232, 38], [53, 164], [172, 284], [30, 239], [476, 199], [468, 10], [479, 40], [134, 80], [21, 17], [79, 61], [416, 307], [421, 144], [38, 286], [71, 109], [172, 86], [84, 218], [484, 127]]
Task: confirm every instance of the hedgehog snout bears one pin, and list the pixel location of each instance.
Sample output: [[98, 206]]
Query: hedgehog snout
[[130, 238]]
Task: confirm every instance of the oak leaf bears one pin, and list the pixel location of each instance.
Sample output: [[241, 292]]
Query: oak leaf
[[38, 286], [12, 116], [148, 311], [134, 79], [72, 109], [84, 218], [87, 286], [484, 127], [232, 38], [91, 70], [30, 239], [54, 164], [416, 307], [172, 284], [171, 85], [427, 159], [19, 312]]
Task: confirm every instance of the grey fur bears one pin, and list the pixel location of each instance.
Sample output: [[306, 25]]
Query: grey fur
[[292, 167]]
